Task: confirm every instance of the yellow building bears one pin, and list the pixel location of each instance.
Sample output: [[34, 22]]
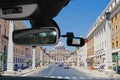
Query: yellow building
[[115, 31], [98, 44], [90, 50]]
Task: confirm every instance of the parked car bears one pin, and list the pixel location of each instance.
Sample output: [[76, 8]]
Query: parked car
[[97, 67], [114, 68], [60, 64]]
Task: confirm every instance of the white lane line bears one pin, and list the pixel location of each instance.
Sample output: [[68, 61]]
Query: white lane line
[[82, 78], [51, 71], [46, 76], [74, 77], [59, 77], [52, 76], [66, 77], [90, 78]]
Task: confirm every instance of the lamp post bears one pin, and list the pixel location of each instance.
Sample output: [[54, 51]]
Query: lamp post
[[41, 55], [108, 43], [10, 55], [77, 56], [33, 57]]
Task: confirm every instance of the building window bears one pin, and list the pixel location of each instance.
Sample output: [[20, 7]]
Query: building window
[[112, 20], [104, 29], [20, 60], [105, 43], [112, 45], [5, 21], [14, 59], [115, 16], [0, 29], [112, 31], [5, 31], [116, 43], [116, 27]]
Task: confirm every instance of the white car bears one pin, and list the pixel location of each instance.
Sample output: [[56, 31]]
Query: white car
[[97, 67], [66, 66]]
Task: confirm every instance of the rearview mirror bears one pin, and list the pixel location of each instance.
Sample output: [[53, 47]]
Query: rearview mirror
[[32, 37]]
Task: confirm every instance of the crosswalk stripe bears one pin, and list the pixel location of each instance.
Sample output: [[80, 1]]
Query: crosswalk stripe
[[45, 76], [74, 77], [82, 78], [90, 78], [52, 76], [59, 77], [67, 77]]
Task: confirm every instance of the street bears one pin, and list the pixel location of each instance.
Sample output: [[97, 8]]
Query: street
[[61, 73]]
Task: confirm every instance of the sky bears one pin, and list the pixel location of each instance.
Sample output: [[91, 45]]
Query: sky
[[78, 17]]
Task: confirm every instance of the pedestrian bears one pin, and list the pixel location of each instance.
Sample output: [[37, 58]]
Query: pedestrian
[[36, 66]]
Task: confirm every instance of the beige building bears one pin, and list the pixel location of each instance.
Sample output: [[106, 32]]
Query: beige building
[[4, 32], [22, 54], [59, 53], [90, 50], [99, 42], [115, 29]]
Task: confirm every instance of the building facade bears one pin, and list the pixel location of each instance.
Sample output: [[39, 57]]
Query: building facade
[[59, 53], [115, 29], [90, 50], [98, 39], [4, 33], [22, 54], [82, 55]]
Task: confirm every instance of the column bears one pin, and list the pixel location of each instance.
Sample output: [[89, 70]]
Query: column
[[41, 56], [118, 59], [108, 45], [10, 55], [77, 56], [33, 58]]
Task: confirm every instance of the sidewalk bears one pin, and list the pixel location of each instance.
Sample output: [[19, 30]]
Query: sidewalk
[[95, 73], [23, 72]]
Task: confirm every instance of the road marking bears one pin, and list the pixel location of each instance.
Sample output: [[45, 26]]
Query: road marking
[[67, 77], [82, 78], [74, 77], [90, 78], [45, 76], [52, 76], [51, 71], [59, 77], [34, 71]]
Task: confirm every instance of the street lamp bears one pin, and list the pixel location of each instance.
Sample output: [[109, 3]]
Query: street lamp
[[108, 43], [107, 15]]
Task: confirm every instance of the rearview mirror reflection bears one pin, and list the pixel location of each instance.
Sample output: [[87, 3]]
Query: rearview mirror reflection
[[33, 37]]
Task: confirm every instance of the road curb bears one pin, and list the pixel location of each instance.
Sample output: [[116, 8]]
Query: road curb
[[92, 74], [34, 71]]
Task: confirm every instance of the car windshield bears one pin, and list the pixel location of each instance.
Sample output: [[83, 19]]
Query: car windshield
[[97, 21]]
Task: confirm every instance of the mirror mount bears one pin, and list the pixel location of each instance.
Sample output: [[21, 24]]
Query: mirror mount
[[74, 41]]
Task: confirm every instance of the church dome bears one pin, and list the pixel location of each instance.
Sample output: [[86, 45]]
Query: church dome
[[60, 45]]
